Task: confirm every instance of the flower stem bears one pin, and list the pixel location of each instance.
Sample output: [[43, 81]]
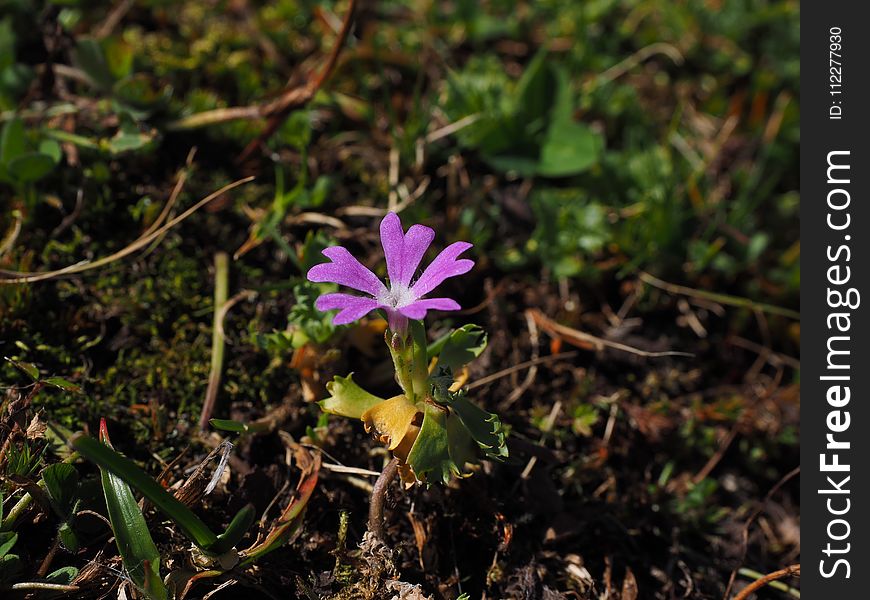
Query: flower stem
[[379, 496], [420, 360], [403, 359]]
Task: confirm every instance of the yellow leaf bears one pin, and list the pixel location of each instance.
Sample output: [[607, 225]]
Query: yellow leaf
[[391, 420]]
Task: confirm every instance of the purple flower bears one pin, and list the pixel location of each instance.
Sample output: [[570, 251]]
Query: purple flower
[[403, 300]]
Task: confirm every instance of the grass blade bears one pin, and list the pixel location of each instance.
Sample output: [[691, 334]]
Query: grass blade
[[106, 458], [236, 529], [137, 549]]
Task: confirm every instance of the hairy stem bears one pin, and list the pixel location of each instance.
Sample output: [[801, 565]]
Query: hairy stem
[[379, 496], [16, 511], [403, 361], [420, 360]]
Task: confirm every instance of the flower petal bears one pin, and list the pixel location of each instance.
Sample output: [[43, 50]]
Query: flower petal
[[445, 265], [417, 241], [346, 270], [403, 252], [393, 241], [417, 310], [352, 307]]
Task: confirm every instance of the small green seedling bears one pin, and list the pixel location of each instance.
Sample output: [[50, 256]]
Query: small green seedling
[[25, 159]]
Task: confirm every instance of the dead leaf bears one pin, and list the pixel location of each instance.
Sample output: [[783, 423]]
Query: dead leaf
[[629, 586], [420, 537]]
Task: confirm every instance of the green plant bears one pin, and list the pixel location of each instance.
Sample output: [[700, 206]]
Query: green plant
[[25, 158], [10, 564], [138, 552], [191, 525], [137, 549], [433, 431], [527, 128], [14, 76]]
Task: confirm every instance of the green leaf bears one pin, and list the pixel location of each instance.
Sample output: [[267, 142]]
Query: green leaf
[[27, 368], [320, 191], [563, 100], [569, 148], [528, 130], [236, 530], [308, 324], [461, 446], [459, 347], [485, 93], [139, 91], [441, 381], [106, 458], [571, 229], [7, 43], [30, 166], [10, 566], [228, 425], [62, 484], [15, 79], [7, 541], [63, 576], [51, 148], [534, 94], [348, 399], [484, 427], [430, 456], [60, 382], [137, 549], [524, 166], [129, 138], [297, 129], [12, 142], [68, 538], [119, 56], [79, 140], [89, 57]]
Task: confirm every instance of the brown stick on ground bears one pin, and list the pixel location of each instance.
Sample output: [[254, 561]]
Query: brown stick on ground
[[760, 583], [278, 109], [221, 286], [379, 495], [275, 110]]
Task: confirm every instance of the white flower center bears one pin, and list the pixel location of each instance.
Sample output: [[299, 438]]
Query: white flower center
[[397, 296]]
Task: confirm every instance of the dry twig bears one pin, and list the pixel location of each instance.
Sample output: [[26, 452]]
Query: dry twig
[[790, 571], [277, 110], [8, 277], [716, 297], [585, 340]]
